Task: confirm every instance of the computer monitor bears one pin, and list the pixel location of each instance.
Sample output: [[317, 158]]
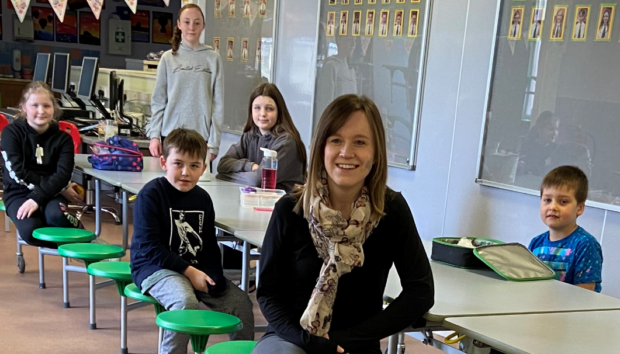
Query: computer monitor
[[88, 78], [41, 67], [113, 87], [60, 74], [121, 96]]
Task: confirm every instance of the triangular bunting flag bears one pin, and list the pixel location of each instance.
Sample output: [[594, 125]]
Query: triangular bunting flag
[[167, 2], [133, 4], [21, 7], [59, 6], [95, 6]]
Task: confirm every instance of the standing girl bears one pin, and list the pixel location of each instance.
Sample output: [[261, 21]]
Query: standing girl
[[269, 125], [189, 89], [38, 163]]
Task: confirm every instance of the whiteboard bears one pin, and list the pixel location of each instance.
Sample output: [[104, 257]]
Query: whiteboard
[[243, 70], [553, 99], [382, 61]]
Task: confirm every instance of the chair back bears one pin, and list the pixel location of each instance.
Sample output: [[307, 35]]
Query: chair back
[[3, 121], [72, 130]]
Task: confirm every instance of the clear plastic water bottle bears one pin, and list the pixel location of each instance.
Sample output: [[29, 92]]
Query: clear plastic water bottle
[[270, 169]]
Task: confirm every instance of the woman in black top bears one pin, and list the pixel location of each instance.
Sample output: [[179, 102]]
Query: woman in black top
[[329, 247], [38, 162]]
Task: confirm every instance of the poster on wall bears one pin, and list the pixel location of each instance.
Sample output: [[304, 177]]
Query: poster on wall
[[216, 44], [43, 23], [217, 12], [582, 17], [516, 16], [21, 7], [559, 23], [605, 22], [397, 30], [245, 52], [412, 30], [162, 27], [262, 8], [536, 23], [230, 43], [89, 29], [59, 6], [95, 6], [66, 31], [140, 26], [231, 8]]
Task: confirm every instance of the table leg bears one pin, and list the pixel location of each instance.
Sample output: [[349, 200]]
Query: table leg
[[41, 270], [91, 289], [124, 211], [65, 284], [97, 207], [245, 267], [123, 325]]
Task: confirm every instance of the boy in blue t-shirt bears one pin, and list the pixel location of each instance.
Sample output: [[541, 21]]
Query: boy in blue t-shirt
[[567, 248], [175, 257]]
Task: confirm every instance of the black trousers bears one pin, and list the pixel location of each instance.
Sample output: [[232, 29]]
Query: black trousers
[[52, 214]]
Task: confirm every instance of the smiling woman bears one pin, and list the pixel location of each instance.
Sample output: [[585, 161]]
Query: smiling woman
[[344, 221]]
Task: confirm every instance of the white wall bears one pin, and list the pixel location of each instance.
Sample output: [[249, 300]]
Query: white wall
[[441, 193]]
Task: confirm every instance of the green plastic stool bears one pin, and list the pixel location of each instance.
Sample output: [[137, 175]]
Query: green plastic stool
[[89, 253], [132, 292], [121, 274], [232, 347], [199, 324], [61, 236]]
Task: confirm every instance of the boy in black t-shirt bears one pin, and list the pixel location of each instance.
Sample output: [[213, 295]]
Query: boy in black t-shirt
[[175, 257]]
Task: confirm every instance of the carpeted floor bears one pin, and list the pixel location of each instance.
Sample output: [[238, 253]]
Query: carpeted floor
[[34, 320]]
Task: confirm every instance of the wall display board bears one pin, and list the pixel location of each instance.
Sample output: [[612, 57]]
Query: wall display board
[[243, 32], [376, 49], [553, 97]]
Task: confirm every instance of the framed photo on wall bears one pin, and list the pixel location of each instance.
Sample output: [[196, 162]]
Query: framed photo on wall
[[162, 27], [582, 19], [66, 31], [43, 23], [558, 23], [605, 22], [140, 26], [89, 29]]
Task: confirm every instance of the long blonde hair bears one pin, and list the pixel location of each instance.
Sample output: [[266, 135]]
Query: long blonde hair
[[38, 87], [333, 118]]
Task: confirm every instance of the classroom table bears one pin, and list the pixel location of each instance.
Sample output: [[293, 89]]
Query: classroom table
[[549, 333], [468, 293]]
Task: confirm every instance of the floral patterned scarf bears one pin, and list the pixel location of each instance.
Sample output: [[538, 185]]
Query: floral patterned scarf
[[339, 244]]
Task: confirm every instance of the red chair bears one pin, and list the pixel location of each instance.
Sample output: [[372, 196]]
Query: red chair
[[72, 130], [3, 121]]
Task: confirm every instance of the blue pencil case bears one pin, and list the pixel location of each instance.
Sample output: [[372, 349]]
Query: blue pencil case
[[119, 154]]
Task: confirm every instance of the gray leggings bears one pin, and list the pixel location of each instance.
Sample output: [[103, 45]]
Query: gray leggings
[[175, 292], [271, 343]]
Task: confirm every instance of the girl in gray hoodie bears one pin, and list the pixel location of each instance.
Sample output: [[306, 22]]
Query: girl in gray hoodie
[[269, 125], [189, 89]]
